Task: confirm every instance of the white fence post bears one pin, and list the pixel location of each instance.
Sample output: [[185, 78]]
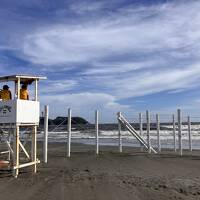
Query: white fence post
[[174, 132], [189, 134], [180, 131], [69, 133], [97, 130], [119, 134], [45, 140], [148, 130], [158, 132], [141, 129]]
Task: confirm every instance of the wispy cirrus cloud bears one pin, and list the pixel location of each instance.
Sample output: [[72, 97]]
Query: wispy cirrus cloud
[[117, 49], [163, 29], [156, 81], [107, 68], [58, 86]]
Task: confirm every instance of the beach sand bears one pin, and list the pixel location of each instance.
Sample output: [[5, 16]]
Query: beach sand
[[130, 175]]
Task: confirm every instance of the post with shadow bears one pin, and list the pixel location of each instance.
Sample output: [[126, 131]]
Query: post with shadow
[[69, 133], [45, 140], [97, 131], [180, 131]]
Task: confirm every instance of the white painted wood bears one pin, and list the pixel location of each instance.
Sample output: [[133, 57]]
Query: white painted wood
[[28, 111], [36, 90], [9, 141], [15, 91], [19, 111], [18, 88], [189, 134], [141, 129], [27, 164], [97, 130], [24, 150], [180, 131], [134, 132], [16, 150], [148, 130], [45, 141], [174, 132], [69, 133], [34, 147], [119, 134], [23, 77], [158, 132], [4, 152]]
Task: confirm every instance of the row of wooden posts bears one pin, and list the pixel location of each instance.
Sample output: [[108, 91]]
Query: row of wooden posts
[[179, 123], [174, 130]]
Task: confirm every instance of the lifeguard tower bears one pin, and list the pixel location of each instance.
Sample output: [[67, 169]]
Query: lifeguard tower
[[17, 114]]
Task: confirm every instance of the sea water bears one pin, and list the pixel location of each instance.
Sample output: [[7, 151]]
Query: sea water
[[110, 137]]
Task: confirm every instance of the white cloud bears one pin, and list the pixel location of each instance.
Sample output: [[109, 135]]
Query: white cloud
[[132, 52], [57, 86], [120, 67], [154, 81], [170, 29], [83, 7], [84, 104]]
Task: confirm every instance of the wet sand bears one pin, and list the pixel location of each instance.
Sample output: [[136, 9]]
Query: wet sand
[[111, 175]]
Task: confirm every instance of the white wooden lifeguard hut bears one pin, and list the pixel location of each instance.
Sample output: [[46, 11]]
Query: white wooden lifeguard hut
[[18, 113]]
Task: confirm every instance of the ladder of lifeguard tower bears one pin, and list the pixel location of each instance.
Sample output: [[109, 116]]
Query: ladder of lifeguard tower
[[6, 142], [123, 121]]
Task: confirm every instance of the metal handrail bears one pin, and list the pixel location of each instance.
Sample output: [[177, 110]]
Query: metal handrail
[[134, 132]]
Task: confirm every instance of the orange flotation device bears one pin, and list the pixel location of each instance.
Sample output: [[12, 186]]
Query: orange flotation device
[[4, 164]]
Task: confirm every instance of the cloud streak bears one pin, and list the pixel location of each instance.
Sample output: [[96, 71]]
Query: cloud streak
[[164, 29], [110, 51]]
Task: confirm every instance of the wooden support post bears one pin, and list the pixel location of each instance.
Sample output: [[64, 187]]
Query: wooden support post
[[158, 132], [119, 134], [16, 152], [34, 148], [24, 150], [189, 134], [45, 140], [148, 130], [18, 88], [36, 90], [69, 133], [97, 130], [15, 92], [174, 132], [9, 141], [180, 131], [141, 129]]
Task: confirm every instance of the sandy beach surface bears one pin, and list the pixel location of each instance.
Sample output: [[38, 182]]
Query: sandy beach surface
[[130, 175]]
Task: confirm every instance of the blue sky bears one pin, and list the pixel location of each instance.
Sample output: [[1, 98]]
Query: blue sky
[[128, 55]]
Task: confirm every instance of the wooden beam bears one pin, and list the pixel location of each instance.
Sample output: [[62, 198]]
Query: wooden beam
[[69, 133], [180, 131], [119, 133], [24, 150], [141, 129], [97, 130], [36, 90], [16, 152], [158, 132], [34, 148], [27, 164], [45, 140], [189, 134], [174, 132], [148, 130], [18, 88]]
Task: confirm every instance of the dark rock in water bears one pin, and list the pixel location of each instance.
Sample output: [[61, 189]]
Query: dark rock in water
[[64, 120], [50, 121]]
